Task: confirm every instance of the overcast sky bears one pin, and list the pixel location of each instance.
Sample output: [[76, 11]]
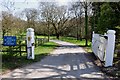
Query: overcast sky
[[21, 4]]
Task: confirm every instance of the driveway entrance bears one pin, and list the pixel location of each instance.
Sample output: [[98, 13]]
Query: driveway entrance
[[66, 61]]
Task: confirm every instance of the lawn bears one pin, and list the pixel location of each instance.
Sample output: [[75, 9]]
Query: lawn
[[10, 62], [72, 40]]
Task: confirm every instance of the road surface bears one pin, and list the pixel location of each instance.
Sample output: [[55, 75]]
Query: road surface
[[66, 61]]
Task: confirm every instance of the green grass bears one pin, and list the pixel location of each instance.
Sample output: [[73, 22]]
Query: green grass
[[10, 62], [72, 40], [77, 42], [41, 36]]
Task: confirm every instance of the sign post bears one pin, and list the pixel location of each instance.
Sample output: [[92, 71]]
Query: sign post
[[30, 43], [9, 41]]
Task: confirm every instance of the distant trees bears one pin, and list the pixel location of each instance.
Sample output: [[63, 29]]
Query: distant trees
[[31, 15], [77, 11], [45, 15], [11, 25], [78, 20], [50, 18], [6, 17], [106, 16], [54, 15], [6, 22]]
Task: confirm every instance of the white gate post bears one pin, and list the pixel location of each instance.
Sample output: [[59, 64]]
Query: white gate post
[[93, 40], [110, 48], [30, 43]]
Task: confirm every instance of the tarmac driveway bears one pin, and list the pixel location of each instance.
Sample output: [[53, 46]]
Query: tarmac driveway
[[66, 61]]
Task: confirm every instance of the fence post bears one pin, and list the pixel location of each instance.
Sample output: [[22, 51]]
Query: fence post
[[20, 47], [93, 36], [110, 48], [35, 42], [26, 46]]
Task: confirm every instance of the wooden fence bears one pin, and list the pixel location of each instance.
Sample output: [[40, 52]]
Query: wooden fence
[[21, 46]]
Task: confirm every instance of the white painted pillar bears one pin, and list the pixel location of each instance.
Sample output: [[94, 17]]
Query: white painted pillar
[[110, 48], [93, 41], [30, 43]]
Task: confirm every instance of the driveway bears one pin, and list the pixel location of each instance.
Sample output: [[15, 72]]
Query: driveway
[[66, 61]]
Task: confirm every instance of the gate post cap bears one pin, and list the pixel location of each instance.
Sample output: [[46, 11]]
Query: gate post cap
[[30, 30], [111, 31]]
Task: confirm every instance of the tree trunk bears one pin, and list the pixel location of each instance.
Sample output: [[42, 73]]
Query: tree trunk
[[80, 30], [56, 31], [57, 35], [86, 25], [48, 32], [77, 31], [80, 34], [4, 32]]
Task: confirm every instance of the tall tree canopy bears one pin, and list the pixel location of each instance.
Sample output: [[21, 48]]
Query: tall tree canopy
[[54, 15]]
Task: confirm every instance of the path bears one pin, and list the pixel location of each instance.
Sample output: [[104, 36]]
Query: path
[[67, 61]]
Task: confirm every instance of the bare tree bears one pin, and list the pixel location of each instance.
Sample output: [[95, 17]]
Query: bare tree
[[31, 15], [9, 5], [54, 15], [45, 15], [77, 11]]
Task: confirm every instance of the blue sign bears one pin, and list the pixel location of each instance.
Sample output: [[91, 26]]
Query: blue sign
[[9, 41]]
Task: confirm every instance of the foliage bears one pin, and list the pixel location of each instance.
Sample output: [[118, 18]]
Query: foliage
[[105, 16], [31, 15], [76, 10], [11, 25], [54, 15]]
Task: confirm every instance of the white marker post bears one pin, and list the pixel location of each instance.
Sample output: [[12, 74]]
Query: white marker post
[[110, 48], [30, 43]]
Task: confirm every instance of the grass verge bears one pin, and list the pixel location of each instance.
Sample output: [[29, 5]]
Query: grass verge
[[10, 62]]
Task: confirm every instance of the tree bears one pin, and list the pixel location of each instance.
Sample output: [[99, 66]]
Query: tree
[[11, 25], [106, 16], [55, 15], [31, 14], [105, 13], [7, 22], [9, 6], [44, 9], [77, 11], [87, 6]]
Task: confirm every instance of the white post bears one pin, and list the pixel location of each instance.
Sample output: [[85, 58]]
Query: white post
[[93, 40], [110, 48], [30, 43]]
